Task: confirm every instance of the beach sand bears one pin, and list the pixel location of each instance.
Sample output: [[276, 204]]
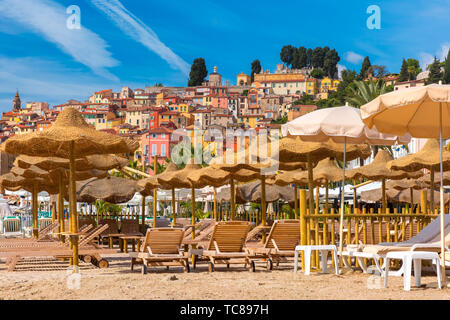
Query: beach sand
[[119, 282]]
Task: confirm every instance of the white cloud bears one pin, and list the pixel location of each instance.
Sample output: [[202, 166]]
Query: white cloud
[[340, 68], [140, 32], [353, 57], [426, 58], [48, 19]]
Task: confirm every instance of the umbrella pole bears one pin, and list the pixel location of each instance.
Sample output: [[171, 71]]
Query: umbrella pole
[[412, 199], [174, 203], [215, 204], [432, 189], [341, 222], [73, 209], [61, 206], [441, 194], [143, 214], [263, 208], [34, 201], [383, 196], [193, 213], [317, 199], [326, 196], [310, 185], [155, 191], [232, 198], [295, 201]]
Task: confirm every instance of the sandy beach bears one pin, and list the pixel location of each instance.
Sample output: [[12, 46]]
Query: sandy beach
[[119, 282]]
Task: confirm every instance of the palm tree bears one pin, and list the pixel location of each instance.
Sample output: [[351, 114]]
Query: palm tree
[[365, 91]]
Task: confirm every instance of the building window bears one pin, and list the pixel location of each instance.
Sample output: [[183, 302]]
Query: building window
[[153, 149], [163, 135], [163, 150]]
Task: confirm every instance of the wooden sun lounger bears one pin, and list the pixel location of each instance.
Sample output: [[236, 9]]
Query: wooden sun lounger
[[226, 245], [280, 244], [88, 250], [112, 233], [161, 247]]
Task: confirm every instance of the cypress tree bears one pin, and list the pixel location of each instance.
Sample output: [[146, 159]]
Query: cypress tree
[[198, 73], [404, 75], [364, 68], [435, 72]]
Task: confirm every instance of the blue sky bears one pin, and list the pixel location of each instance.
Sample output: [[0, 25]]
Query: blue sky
[[137, 43]]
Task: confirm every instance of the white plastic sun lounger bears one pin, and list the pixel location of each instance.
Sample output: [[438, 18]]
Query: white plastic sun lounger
[[426, 240]]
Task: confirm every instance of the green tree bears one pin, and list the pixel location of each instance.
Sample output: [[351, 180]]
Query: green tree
[[435, 72], [363, 73], [446, 78], [256, 68], [287, 54], [318, 56], [404, 74], [309, 53], [366, 91], [318, 73], [198, 73], [330, 62], [300, 58]]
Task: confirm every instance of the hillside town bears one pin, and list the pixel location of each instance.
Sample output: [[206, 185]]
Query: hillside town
[[152, 114]]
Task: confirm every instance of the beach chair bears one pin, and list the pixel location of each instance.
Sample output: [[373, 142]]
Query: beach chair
[[226, 245], [426, 240], [161, 247]]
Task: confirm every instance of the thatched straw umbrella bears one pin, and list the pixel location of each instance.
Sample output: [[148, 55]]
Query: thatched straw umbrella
[[179, 179], [147, 185], [377, 170], [92, 166], [397, 196], [252, 192], [69, 137], [35, 185], [215, 177], [411, 184], [110, 189], [426, 158], [294, 149]]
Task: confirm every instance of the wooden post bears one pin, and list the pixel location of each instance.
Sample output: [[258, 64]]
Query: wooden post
[[73, 208], [34, 196], [263, 207], [61, 206], [383, 196], [143, 213], [354, 197], [155, 191], [412, 199], [316, 211], [215, 204], [326, 196], [303, 230], [193, 213], [310, 184], [174, 204], [232, 199], [423, 201]]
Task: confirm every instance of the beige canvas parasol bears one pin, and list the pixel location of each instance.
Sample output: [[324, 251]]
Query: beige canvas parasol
[[342, 125], [69, 137], [423, 112]]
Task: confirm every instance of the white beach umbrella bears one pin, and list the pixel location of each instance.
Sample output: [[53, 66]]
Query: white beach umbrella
[[423, 112], [342, 125]]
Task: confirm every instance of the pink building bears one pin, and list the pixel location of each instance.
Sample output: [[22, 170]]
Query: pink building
[[156, 142], [220, 102]]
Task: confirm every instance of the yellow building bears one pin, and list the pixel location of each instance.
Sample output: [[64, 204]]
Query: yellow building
[[250, 120], [243, 80], [312, 86], [160, 98]]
